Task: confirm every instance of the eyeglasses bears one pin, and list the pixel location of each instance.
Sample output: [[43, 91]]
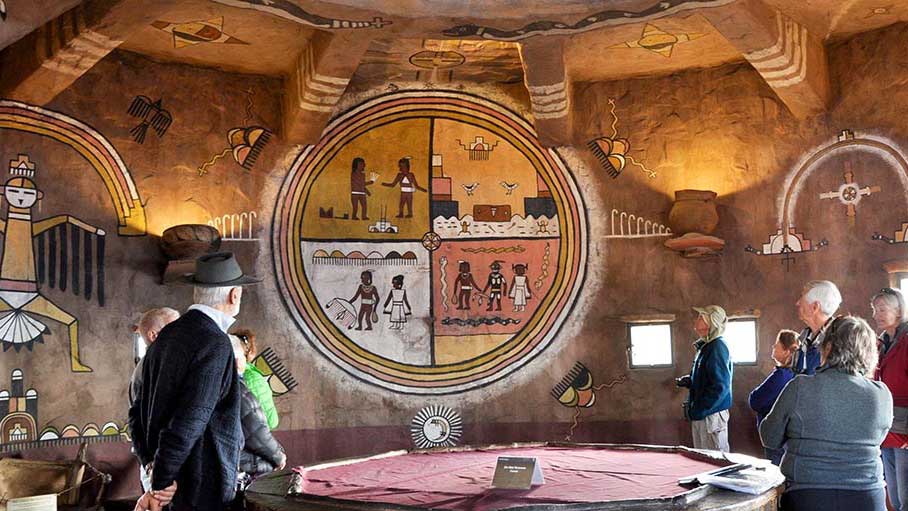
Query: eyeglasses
[[244, 339]]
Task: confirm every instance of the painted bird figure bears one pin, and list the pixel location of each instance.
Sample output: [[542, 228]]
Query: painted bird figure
[[470, 188], [151, 114], [509, 187]]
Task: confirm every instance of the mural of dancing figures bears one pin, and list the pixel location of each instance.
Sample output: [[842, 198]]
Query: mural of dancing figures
[[418, 266], [23, 305]]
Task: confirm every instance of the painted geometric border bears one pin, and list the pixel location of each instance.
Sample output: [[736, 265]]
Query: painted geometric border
[[325, 337]]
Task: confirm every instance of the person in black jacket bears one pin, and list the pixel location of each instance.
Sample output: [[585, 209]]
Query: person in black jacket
[[261, 452], [185, 420]]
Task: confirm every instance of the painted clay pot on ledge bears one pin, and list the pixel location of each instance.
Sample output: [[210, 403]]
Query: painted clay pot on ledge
[[189, 241], [693, 211]]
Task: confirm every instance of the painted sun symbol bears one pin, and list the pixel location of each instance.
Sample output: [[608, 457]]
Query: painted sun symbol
[[436, 426]]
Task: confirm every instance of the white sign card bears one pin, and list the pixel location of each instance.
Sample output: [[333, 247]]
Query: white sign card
[[36, 503], [515, 473]]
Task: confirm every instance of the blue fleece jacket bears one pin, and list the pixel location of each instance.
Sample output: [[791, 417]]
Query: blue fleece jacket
[[764, 396], [710, 387]]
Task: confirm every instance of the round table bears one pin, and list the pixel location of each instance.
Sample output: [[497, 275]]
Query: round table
[[577, 477]]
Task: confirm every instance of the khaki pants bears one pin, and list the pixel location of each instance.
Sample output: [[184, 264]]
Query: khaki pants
[[711, 432]]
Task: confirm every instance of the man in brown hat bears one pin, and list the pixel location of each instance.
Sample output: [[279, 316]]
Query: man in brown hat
[[185, 420]]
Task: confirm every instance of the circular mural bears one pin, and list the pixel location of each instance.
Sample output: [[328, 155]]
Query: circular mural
[[428, 243]]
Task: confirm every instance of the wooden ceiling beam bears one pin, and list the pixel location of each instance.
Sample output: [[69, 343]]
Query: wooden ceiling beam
[[43, 64], [784, 52], [318, 81], [549, 89]]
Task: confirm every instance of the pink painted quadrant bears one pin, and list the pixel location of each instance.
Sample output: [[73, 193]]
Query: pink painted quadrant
[[460, 480]]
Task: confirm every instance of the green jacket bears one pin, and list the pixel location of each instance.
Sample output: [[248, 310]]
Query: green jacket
[[258, 385]]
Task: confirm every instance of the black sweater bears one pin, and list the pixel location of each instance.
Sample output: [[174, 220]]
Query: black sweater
[[261, 453], [186, 417]]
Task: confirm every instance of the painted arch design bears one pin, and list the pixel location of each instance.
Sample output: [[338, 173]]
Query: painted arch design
[[96, 149], [520, 210], [879, 146]]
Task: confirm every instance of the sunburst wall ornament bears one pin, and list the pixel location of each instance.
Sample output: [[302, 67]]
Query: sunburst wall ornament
[[436, 426]]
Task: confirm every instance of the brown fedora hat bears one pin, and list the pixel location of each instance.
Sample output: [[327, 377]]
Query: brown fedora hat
[[219, 269]]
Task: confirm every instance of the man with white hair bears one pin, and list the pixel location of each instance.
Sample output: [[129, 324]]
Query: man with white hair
[[186, 416], [817, 305]]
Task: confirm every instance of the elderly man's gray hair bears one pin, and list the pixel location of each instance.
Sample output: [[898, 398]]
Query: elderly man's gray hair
[[824, 293], [211, 296]]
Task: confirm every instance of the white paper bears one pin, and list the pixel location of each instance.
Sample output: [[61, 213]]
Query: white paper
[[36, 503], [754, 480]]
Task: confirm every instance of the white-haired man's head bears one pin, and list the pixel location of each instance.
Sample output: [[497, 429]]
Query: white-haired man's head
[[153, 321], [819, 300], [225, 299]]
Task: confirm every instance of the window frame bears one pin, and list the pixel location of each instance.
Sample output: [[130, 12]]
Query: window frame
[[630, 344], [898, 278], [756, 323]]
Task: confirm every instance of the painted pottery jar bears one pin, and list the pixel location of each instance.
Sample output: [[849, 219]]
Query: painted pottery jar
[[693, 211], [189, 241]]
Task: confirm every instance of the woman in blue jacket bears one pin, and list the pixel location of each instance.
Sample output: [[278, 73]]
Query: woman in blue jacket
[[709, 381], [764, 396]]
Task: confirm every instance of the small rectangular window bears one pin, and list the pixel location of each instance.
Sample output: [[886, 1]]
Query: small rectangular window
[[651, 345], [903, 284], [741, 337]]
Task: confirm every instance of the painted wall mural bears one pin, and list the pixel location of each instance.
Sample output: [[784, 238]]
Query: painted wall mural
[[23, 305], [611, 151], [436, 426], [418, 266], [236, 226], [244, 143], [293, 12], [591, 22], [19, 422], [631, 226], [850, 193], [152, 114], [190, 33], [276, 374], [787, 241], [577, 390], [92, 146], [658, 41], [61, 251]]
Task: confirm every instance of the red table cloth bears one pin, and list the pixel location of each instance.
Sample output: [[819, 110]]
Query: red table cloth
[[460, 480]]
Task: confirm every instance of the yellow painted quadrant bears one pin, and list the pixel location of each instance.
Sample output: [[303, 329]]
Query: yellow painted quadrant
[[484, 178], [381, 148], [450, 349]]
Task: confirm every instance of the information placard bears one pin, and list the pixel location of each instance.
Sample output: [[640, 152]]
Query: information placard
[[514, 473], [36, 503]]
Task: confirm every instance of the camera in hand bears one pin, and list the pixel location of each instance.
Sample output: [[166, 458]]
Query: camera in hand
[[683, 381]]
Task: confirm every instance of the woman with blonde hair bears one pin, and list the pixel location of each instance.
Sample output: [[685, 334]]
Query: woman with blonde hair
[[891, 315]]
